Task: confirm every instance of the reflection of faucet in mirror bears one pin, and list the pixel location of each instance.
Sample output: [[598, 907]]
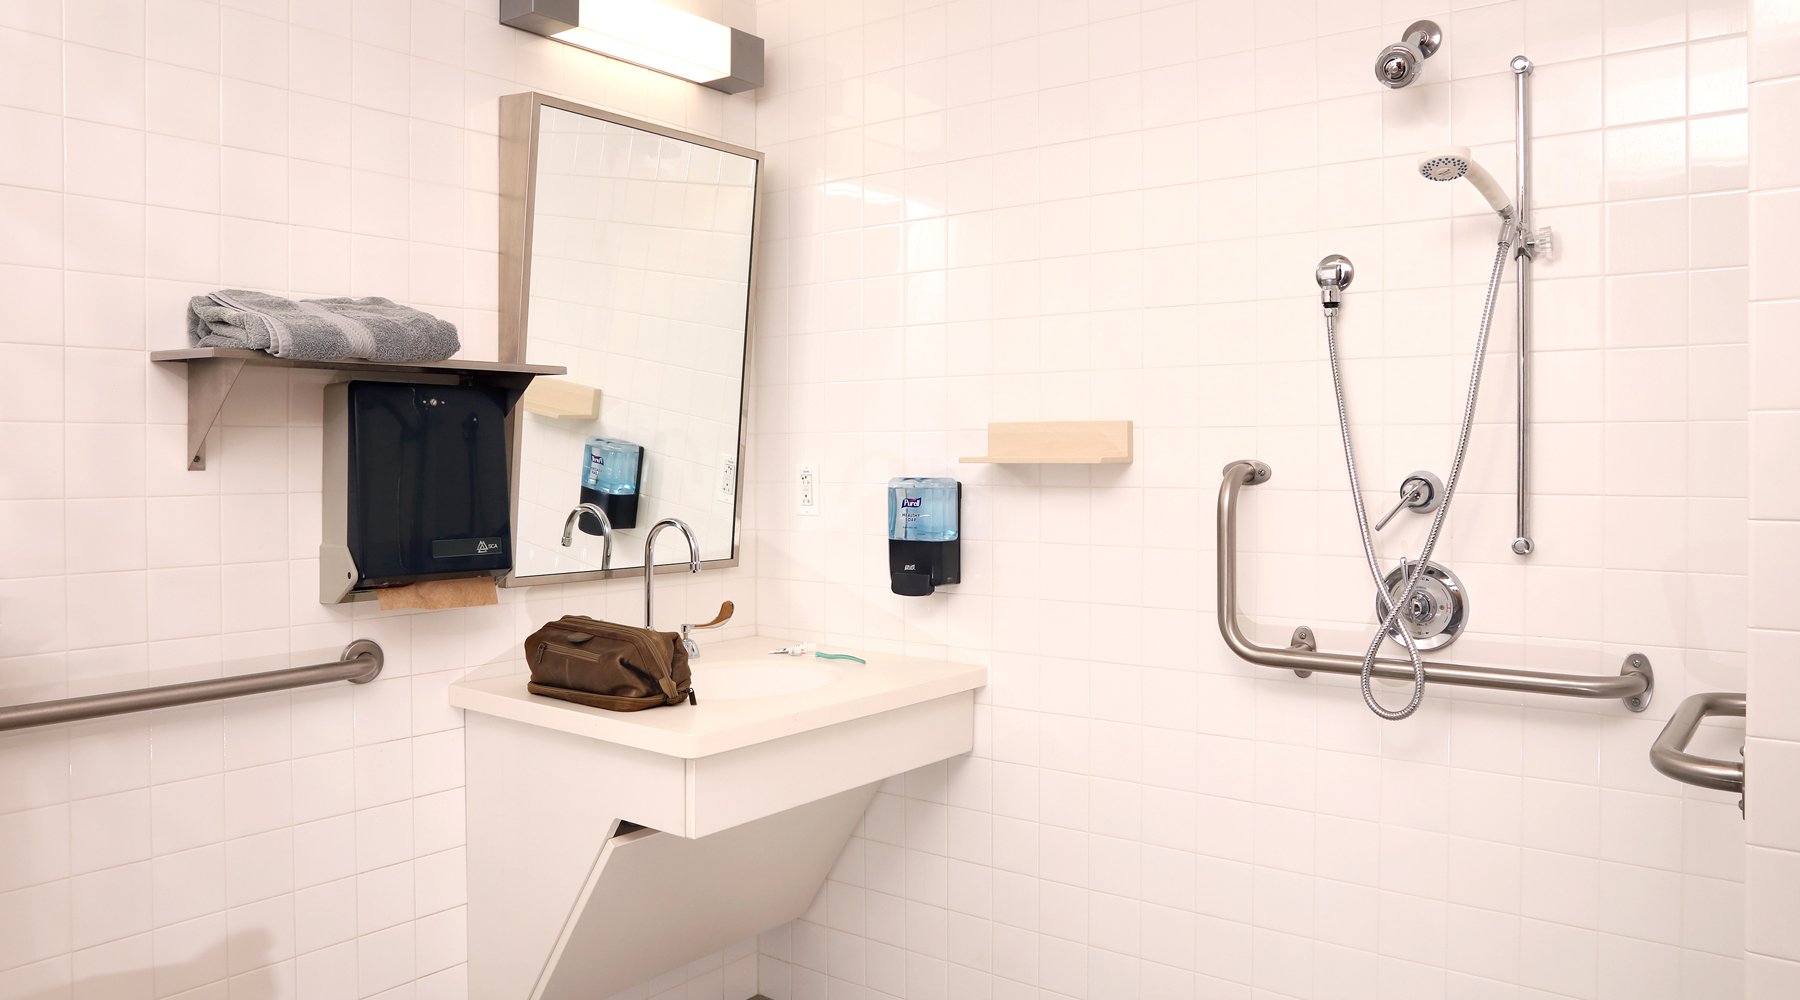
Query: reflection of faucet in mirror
[[650, 562], [606, 530]]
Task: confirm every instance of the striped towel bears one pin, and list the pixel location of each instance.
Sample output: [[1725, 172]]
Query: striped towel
[[375, 329]]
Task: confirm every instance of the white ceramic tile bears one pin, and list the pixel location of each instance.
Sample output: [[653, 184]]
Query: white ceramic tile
[[32, 78], [1719, 229], [1646, 235], [1646, 86], [1769, 213], [103, 86]]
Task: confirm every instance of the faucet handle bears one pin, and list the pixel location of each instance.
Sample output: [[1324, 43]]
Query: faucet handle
[[725, 612], [687, 639]]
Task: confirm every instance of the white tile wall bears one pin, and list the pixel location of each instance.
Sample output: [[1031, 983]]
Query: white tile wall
[[1008, 209], [982, 209], [305, 844], [1773, 754]]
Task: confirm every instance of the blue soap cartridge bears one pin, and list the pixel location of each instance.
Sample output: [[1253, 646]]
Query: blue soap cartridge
[[610, 472], [924, 550]]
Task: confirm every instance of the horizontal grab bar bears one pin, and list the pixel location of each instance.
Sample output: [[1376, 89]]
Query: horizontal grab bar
[[1669, 754], [1634, 685], [359, 664]]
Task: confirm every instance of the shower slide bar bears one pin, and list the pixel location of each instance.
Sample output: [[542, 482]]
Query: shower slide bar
[[1669, 754], [359, 664], [1634, 685]]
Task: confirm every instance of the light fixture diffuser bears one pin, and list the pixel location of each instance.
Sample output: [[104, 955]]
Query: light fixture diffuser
[[649, 34]]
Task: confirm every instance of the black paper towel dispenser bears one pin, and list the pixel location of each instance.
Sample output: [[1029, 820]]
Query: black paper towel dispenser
[[415, 485]]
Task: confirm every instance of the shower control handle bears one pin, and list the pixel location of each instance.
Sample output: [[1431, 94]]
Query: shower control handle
[[1420, 493]]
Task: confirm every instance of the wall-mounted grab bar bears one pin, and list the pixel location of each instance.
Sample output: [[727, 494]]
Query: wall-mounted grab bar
[[359, 664], [1669, 754], [1634, 685]]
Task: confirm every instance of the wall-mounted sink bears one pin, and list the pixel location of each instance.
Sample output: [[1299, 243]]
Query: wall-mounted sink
[[591, 833]]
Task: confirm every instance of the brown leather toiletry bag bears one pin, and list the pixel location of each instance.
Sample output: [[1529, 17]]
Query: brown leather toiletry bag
[[606, 665]]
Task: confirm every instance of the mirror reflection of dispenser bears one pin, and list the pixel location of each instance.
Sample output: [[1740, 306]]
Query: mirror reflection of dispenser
[[610, 472], [924, 519]]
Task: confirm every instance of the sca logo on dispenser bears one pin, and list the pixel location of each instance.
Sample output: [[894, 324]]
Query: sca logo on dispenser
[[912, 502]]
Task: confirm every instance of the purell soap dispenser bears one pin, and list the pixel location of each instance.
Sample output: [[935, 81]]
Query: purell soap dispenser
[[610, 470], [924, 551]]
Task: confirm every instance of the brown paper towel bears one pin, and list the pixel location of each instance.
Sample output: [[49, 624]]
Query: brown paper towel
[[436, 595]]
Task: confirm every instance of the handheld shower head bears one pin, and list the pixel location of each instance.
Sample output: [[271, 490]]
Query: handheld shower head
[[1400, 64], [1454, 162]]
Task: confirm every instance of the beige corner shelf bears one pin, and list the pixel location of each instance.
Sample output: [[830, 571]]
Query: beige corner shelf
[[562, 399], [211, 371], [1057, 442]]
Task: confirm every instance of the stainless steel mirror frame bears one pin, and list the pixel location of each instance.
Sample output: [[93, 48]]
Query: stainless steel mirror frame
[[520, 115]]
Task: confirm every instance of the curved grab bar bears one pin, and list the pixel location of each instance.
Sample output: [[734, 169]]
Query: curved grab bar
[[359, 663], [1634, 685], [1669, 754]]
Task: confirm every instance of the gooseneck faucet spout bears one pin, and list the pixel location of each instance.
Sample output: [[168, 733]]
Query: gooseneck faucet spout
[[606, 531], [650, 562]]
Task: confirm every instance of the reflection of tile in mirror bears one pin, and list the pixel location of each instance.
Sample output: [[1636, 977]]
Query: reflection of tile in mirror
[[639, 286]]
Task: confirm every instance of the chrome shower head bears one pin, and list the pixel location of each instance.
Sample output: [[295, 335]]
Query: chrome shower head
[[1455, 162], [1400, 64]]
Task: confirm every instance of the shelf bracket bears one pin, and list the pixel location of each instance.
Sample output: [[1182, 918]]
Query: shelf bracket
[[209, 382]]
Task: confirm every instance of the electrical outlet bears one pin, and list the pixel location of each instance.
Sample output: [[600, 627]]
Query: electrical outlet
[[727, 479], [808, 499]]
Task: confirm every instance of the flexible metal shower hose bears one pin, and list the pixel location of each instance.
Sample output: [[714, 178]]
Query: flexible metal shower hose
[[1437, 521]]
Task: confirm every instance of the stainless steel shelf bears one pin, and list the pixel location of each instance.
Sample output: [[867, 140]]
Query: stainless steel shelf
[[1634, 685], [213, 370], [360, 663]]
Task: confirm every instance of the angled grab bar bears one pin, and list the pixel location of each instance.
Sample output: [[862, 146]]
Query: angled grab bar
[[359, 664], [1669, 754], [1634, 685]]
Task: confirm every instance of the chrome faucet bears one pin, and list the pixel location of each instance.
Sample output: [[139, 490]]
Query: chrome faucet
[[650, 562], [606, 531]]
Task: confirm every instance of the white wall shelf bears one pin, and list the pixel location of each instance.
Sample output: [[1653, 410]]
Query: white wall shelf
[[1057, 442], [211, 372], [562, 399]]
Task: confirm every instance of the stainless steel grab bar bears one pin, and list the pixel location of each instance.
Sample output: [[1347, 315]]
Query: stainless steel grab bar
[[1669, 754], [359, 664], [1634, 685]]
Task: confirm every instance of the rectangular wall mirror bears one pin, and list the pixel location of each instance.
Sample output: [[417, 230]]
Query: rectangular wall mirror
[[626, 256]]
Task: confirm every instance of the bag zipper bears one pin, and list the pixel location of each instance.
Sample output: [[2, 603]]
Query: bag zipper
[[570, 650]]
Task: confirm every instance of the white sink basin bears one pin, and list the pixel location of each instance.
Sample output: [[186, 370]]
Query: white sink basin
[[740, 680]]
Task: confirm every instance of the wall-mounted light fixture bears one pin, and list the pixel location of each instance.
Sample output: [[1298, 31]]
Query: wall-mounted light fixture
[[650, 34]]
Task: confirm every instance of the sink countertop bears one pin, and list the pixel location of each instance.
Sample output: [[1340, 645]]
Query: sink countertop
[[885, 683]]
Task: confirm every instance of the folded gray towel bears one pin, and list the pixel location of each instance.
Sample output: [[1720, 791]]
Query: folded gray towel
[[319, 329]]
